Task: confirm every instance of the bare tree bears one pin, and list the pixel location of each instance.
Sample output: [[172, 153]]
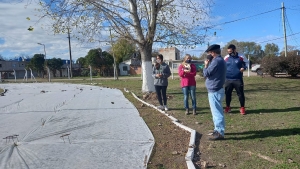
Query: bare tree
[[143, 22]]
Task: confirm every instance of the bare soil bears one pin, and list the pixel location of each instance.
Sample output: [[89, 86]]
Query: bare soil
[[171, 142]]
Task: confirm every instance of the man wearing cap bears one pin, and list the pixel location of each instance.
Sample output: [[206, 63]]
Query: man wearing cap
[[215, 71]]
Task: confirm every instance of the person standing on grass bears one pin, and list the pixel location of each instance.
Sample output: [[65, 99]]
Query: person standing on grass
[[187, 72], [161, 72], [236, 64], [215, 71]]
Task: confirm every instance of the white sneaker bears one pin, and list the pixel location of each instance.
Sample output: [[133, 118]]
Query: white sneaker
[[166, 108], [160, 107]]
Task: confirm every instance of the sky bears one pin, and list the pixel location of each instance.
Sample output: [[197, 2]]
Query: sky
[[258, 21], [262, 23]]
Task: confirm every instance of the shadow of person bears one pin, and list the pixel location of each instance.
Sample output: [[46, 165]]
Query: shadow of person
[[262, 134]]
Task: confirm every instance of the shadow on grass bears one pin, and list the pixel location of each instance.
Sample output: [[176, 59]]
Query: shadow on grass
[[257, 111], [263, 134], [199, 110], [180, 93], [235, 110]]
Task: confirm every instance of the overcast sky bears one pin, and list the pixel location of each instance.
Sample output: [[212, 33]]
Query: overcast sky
[[16, 40]]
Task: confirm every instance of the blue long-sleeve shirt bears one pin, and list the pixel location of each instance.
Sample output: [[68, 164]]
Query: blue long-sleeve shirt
[[234, 65], [215, 74]]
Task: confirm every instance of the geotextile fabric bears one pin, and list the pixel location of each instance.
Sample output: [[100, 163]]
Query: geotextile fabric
[[57, 126]]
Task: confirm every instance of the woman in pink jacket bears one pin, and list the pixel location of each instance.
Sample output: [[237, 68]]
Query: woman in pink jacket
[[187, 71]]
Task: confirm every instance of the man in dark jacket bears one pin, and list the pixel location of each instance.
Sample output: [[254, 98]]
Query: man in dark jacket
[[236, 64]]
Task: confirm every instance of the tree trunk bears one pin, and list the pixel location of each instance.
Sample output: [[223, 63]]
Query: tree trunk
[[117, 70], [148, 81]]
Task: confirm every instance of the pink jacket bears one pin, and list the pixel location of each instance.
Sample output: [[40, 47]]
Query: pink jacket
[[187, 79]]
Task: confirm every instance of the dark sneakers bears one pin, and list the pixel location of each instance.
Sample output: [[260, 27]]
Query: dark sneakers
[[216, 136]]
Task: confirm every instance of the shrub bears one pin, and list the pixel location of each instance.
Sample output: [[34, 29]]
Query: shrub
[[271, 65], [86, 72], [291, 64]]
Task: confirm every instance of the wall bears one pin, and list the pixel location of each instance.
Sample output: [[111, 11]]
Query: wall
[[171, 53]]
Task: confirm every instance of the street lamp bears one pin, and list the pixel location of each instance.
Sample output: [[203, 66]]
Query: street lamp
[[45, 59], [44, 49]]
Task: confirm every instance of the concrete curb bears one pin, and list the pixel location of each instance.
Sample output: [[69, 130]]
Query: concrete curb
[[190, 153]]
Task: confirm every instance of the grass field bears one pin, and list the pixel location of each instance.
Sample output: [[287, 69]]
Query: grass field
[[267, 137]]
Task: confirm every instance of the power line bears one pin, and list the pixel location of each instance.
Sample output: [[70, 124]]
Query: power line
[[241, 18], [289, 26], [278, 38], [294, 9]]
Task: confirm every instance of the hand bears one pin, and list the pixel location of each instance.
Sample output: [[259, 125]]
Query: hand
[[158, 75], [242, 69], [206, 62], [187, 71]]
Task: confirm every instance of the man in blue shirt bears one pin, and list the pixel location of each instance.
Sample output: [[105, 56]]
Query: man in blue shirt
[[214, 71], [236, 64]]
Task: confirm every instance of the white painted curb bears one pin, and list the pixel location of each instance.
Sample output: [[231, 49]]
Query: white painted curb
[[190, 153]]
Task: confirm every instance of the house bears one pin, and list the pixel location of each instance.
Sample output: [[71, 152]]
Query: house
[[171, 53], [8, 69], [173, 59], [18, 66], [130, 67], [63, 72]]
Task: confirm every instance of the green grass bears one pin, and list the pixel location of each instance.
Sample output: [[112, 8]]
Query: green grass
[[267, 137]]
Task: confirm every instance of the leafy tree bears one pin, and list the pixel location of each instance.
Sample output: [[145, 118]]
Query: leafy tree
[[271, 49], [203, 55], [123, 50], [54, 64], [37, 63], [107, 63], [291, 51], [82, 62], [107, 59], [99, 60], [247, 48], [93, 58], [142, 22], [195, 57]]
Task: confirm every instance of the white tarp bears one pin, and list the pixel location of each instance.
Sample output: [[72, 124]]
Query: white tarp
[[72, 126]]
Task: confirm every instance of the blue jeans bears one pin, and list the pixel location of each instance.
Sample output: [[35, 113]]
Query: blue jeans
[[186, 90], [215, 103]]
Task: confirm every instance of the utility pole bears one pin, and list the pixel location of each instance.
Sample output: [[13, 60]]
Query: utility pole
[[284, 31], [113, 54], [70, 52]]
